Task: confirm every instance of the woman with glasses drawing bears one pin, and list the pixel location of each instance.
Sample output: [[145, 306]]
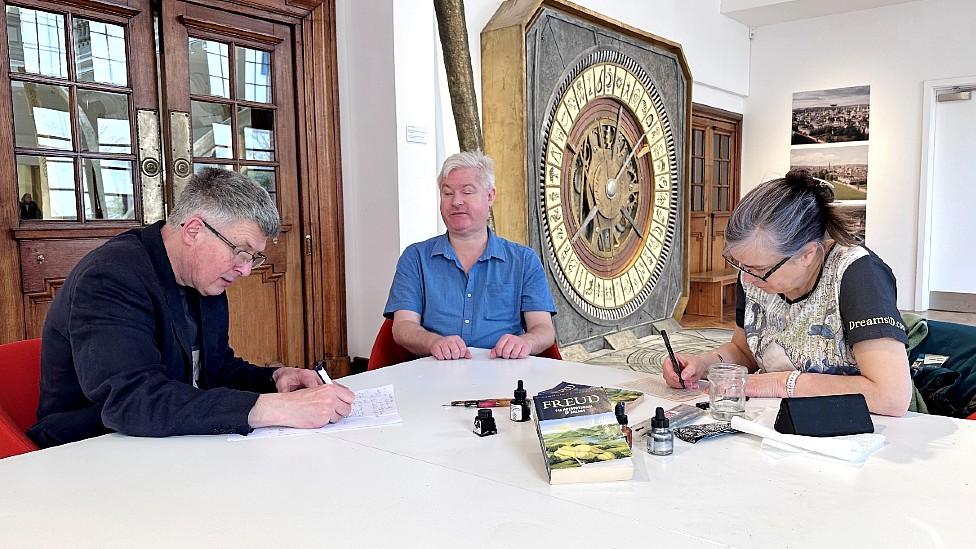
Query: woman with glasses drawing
[[815, 311]]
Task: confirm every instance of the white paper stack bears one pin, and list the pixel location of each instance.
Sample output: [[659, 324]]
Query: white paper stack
[[853, 448]]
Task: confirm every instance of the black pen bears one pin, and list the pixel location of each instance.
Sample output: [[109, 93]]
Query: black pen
[[675, 365]]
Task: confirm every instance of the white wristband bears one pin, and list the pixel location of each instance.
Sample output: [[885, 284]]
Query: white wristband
[[791, 382]]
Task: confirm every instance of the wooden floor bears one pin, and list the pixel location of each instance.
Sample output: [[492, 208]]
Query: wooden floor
[[728, 322]]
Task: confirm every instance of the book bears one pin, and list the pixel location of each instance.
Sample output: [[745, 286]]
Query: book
[[629, 397], [580, 438]]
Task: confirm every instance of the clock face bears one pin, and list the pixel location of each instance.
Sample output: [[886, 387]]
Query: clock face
[[609, 185]]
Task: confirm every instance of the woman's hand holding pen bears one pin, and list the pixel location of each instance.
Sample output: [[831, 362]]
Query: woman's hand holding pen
[[693, 368]]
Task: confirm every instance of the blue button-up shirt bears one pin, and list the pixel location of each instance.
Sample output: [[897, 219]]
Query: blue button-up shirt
[[481, 306]]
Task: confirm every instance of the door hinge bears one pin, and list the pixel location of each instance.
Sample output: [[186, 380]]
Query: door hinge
[[308, 244]]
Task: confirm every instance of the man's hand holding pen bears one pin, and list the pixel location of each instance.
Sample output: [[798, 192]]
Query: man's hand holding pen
[[304, 400]]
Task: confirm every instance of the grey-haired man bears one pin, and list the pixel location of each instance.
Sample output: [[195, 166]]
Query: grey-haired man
[[136, 340]]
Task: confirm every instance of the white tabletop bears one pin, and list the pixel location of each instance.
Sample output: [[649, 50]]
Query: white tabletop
[[430, 482]]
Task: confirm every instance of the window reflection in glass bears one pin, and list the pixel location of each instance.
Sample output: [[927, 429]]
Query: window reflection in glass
[[35, 42], [211, 124], [49, 180], [262, 175], [41, 116], [253, 74], [103, 122], [100, 52], [108, 189], [209, 68], [256, 133]]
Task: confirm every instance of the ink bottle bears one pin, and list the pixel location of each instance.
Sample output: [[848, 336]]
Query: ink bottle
[[618, 411], [484, 424], [519, 408], [660, 442]]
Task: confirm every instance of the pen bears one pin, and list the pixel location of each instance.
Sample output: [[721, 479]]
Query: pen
[[320, 370], [482, 403], [674, 360]]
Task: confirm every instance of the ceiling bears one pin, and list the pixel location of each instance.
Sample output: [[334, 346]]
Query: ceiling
[[758, 13]]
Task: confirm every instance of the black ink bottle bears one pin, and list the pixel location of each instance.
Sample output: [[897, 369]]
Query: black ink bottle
[[484, 424], [660, 442], [519, 408], [618, 411]]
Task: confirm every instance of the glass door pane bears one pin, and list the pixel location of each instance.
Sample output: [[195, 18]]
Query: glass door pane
[[70, 90]]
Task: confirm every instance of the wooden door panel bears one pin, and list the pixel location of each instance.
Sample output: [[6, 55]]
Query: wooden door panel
[[698, 250], [716, 241]]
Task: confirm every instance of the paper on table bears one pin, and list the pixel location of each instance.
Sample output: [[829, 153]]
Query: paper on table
[[656, 386], [853, 448], [372, 408]]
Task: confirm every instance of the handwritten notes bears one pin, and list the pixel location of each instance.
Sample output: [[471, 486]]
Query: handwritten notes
[[372, 408], [656, 386]]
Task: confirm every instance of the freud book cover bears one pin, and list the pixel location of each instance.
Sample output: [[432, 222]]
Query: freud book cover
[[580, 436]]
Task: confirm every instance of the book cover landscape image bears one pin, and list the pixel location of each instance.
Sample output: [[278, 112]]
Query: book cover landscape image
[[580, 436]]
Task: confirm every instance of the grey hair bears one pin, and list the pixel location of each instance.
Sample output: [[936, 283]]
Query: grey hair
[[788, 213], [470, 159], [223, 196]]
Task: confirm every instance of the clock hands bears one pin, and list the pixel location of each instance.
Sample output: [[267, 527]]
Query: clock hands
[[612, 186], [630, 156], [583, 225], [633, 223]]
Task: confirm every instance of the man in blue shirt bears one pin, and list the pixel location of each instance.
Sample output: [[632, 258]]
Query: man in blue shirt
[[469, 287]]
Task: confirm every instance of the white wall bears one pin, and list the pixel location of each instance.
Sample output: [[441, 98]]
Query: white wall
[[953, 224], [893, 49], [391, 75], [369, 141]]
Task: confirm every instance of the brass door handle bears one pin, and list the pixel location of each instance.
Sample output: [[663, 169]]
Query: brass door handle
[[179, 128], [150, 166]]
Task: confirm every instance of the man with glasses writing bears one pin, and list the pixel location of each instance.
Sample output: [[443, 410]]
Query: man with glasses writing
[[136, 340], [816, 311]]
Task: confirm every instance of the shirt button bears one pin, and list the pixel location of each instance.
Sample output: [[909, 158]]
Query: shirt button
[[469, 295], [466, 321]]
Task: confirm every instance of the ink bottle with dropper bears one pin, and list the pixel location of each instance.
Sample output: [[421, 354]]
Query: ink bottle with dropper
[[660, 442], [519, 409], [618, 411]]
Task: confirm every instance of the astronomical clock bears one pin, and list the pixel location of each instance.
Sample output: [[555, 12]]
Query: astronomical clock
[[587, 120]]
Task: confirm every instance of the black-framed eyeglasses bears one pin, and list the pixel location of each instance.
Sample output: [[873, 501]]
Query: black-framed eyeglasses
[[241, 256], [765, 277]]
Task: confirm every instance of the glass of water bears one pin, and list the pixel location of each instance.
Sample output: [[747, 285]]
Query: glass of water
[[727, 390]]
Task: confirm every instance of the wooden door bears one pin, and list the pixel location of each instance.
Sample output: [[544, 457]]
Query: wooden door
[[78, 135], [229, 103], [107, 107], [715, 146]]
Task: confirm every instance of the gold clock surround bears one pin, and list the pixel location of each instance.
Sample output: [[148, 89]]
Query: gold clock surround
[[557, 175]]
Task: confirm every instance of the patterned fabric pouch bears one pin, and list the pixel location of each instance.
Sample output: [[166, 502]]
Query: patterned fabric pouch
[[694, 433]]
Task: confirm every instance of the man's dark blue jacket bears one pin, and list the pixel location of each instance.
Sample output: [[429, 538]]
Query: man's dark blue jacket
[[116, 352]]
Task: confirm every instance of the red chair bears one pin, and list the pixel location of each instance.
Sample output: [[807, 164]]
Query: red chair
[[387, 352], [20, 380], [13, 441]]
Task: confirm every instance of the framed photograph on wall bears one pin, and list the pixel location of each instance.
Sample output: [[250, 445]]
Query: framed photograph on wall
[[839, 115], [829, 137]]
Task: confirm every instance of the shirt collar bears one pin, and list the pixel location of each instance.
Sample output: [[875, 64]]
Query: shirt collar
[[494, 248]]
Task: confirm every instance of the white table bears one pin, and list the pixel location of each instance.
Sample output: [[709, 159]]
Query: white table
[[430, 482]]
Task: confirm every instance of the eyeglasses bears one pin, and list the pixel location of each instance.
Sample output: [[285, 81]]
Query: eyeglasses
[[764, 277], [241, 256]]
